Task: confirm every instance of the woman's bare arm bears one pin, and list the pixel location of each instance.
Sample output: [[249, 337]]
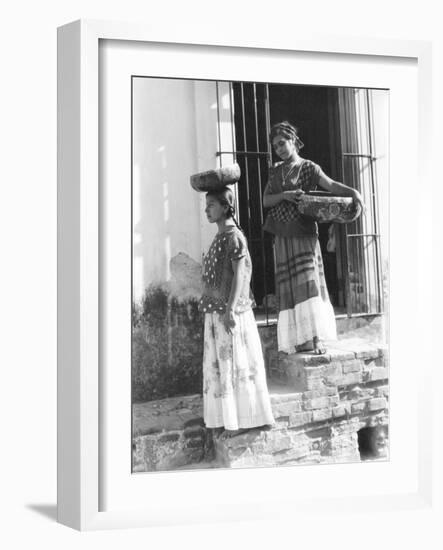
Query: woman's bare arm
[[229, 319], [271, 199], [339, 189]]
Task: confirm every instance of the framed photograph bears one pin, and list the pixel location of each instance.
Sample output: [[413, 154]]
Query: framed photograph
[[233, 272]]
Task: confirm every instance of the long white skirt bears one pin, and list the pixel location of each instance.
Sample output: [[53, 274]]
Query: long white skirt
[[305, 311], [299, 325], [235, 393]]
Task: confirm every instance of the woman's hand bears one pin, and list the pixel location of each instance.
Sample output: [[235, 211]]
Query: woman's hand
[[293, 195], [358, 200], [229, 320]]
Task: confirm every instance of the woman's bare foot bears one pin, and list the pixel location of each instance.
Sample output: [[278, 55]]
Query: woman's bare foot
[[307, 346], [315, 346], [319, 348]]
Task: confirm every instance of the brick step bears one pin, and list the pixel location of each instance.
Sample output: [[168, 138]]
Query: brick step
[[345, 363], [319, 405]]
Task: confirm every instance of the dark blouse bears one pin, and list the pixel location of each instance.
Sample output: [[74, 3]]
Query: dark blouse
[[218, 273], [283, 218]]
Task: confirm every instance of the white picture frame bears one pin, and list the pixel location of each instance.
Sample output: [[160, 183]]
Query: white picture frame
[[80, 412]]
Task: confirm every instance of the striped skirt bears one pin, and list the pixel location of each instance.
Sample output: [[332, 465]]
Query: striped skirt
[[235, 392], [305, 310]]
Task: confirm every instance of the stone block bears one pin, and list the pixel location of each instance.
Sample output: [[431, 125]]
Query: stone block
[[246, 439], [341, 410], [168, 437], [377, 373], [333, 367], [195, 443], [313, 372], [317, 403], [330, 373], [315, 432], [277, 441], [284, 397], [194, 422], [312, 458], [371, 363], [382, 391], [383, 350], [169, 453], [311, 360], [348, 426], [314, 383], [286, 409], [167, 415], [296, 377], [194, 432], [351, 366], [320, 392], [367, 352], [319, 415], [291, 454], [300, 419], [281, 423], [377, 403], [349, 379], [341, 355], [273, 365], [358, 408]]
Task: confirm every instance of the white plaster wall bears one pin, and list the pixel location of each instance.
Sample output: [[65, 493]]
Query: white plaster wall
[[174, 136]]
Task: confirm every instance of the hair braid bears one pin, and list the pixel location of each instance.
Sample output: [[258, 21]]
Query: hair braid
[[231, 212]]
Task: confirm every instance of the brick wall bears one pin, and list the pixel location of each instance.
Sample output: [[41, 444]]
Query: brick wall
[[319, 407]]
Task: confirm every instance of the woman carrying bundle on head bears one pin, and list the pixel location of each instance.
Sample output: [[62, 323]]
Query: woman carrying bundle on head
[[235, 393], [306, 317]]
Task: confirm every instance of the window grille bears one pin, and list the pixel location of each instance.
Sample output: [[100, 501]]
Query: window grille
[[358, 252]]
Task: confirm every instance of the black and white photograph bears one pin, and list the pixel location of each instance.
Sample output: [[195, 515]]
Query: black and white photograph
[[222, 275], [260, 274]]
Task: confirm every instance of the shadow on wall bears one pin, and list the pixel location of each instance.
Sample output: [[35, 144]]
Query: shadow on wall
[[166, 212]]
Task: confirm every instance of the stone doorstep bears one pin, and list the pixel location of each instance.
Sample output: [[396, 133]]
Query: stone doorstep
[[177, 423], [346, 363], [167, 415], [341, 350]]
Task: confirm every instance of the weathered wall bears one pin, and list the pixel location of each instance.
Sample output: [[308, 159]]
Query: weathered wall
[[175, 135]]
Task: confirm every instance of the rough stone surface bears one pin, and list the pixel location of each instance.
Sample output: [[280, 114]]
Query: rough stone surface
[[377, 404], [319, 410], [185, 282], [376, 373]]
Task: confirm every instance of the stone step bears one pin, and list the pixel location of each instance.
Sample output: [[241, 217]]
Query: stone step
[[319, 404], [342, 365]]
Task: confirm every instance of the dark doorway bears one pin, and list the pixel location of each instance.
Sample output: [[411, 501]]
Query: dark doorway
[[314, 110]]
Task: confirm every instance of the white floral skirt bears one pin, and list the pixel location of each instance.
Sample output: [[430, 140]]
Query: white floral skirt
[[235, 393]]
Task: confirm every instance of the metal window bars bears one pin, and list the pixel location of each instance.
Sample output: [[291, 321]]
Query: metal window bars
[[363, 280], [358, 256]]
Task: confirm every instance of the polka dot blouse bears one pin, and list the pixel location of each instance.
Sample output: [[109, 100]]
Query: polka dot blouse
[[227, 247]]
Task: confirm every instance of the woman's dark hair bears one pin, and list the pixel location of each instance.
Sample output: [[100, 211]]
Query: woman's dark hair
[[288, 131], [225, 196]]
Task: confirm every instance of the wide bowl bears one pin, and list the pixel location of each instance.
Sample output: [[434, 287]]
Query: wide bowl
[[214, 180], [327, 209]]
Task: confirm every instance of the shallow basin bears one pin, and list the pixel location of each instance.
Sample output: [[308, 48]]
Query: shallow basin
[[213, 180], [326, 209]]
